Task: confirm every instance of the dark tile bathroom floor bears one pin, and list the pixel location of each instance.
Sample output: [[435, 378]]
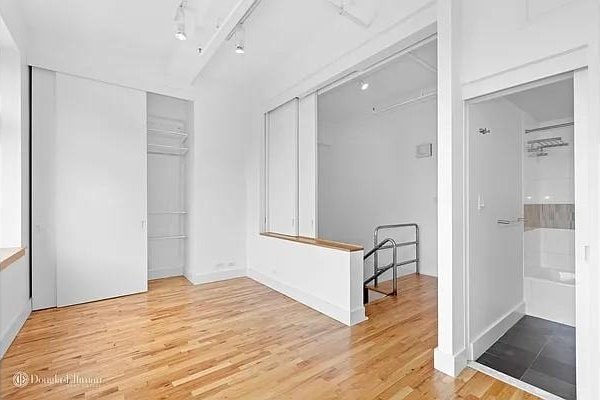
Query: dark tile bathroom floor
[[539, 352]]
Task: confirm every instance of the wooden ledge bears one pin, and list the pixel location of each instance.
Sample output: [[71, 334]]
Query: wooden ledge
[[315, 242], [10, 255]]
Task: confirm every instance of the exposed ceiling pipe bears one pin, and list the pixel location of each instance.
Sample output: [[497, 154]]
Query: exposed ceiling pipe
[[345, 10]]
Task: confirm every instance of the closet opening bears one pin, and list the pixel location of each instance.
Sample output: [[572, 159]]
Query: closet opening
[[377, 164], [169, 127], [522, 265]]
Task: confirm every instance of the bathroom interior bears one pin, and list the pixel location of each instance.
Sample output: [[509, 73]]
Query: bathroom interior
[[538, 346]]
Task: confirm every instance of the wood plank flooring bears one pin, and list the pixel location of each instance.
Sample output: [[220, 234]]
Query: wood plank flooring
[[238, 339]]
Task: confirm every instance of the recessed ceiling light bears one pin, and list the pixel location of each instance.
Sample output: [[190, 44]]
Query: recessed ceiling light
[[364, 85]]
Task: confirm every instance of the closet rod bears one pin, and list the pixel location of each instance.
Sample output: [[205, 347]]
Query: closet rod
[[417, 99], [167, 237], [168, 213], [546, 128]]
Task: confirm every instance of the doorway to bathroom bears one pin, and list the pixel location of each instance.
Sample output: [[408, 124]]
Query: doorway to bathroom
[[522, 264]]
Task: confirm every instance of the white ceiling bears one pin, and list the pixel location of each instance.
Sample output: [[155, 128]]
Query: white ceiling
[[124, 40], [547, 103], [132, 42], [396, 81]]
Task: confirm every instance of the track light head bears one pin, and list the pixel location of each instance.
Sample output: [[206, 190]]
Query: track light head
[[240, 39], [180, 23], [364, 85], [180, 34]]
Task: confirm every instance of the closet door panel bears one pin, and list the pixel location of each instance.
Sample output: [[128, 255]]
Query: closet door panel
[[282, 169], [100, 190], [43, 152], [307, 166]]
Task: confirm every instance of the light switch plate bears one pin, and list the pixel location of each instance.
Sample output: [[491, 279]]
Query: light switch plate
[[424, 150]]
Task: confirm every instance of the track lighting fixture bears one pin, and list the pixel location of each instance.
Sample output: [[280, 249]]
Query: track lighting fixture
[[240, 41], [364, 85], [180, 22]]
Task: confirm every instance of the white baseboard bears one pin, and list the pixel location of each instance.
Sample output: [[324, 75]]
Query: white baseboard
[[13, 329], [489, 336], [198, 279], [347, 317], [164, 273], [449, 364]]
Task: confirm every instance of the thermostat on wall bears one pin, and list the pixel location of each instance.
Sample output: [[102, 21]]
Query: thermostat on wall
[[424, 150]]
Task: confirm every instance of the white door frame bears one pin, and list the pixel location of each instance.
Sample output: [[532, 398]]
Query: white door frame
[[583, 210]]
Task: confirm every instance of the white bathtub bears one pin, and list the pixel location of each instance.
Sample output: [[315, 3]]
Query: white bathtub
[[549, 276]]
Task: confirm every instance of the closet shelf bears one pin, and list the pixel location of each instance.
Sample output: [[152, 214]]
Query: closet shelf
[[165, 132], [167, 237], [167, 212], [168, 150]]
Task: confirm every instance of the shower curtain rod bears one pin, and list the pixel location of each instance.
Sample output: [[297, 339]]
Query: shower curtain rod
[[545, 128]]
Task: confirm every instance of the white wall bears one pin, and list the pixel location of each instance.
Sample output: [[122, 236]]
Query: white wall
[[369, 175], [15, 304], [491, 28], [10, 147], [217, 186], [495, 192]]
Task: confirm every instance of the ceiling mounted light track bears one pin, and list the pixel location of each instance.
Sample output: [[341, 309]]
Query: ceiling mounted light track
[[180, 22], [239, 32]]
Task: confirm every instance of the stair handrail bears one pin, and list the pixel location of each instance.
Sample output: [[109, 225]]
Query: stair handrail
[[410, 243], [376, 274]]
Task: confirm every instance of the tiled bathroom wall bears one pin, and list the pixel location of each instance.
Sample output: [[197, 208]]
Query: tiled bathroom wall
[[550, 216], [549, 208]]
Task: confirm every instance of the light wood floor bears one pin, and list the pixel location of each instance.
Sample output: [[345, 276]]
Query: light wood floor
[[239, 340]]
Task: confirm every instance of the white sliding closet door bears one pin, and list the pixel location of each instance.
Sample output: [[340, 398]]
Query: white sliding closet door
[[307, 166], [282, 169], [43, 156], [100, 190]]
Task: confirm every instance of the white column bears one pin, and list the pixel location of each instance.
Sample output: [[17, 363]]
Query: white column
[[450, 355]]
